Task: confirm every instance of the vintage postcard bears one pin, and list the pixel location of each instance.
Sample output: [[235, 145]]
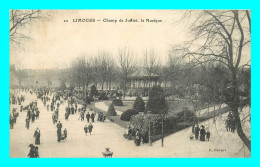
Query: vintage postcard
[[130, 83]]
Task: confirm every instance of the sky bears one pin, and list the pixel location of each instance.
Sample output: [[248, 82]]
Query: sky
[[57, 41]]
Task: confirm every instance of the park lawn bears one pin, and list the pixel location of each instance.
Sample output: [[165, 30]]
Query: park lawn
[[177, 106], [127, 105]]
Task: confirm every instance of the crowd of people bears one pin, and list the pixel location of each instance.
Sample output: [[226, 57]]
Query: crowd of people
[[15, 100], [33, 113], [52, 101], [201, 133], [131, 133], [230, 123]]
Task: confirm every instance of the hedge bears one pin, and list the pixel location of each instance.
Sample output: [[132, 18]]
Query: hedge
[[111, 111], [126, 116]]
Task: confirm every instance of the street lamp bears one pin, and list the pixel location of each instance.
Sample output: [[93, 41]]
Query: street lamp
[[162, 115], [149, 132]]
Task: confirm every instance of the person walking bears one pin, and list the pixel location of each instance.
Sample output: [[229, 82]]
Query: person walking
[[29, 114], [53, 118], [36, 152], [67, 115], [197, 131], [32, 152], [88, 116], [27, 120], [137, 138], [37, 136], [59, 126], [33, 117], [11, 122], [208, 135], [86, 129], [90, 127], [232, 125], [202, 133], [82, 115], [37, 114], [92, 117], [65, 134]]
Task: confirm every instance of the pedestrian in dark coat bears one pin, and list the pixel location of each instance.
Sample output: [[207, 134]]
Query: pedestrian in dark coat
[[137, 138], [37, 113], [86, 129], [72, 110], [88, 116], [33, 117], [65, 133], [197, 131], [59, 126], [36, 152], [232, 125], [29, 114], [92, 117], [37, 136], [11, 122], [32, 151], [52, 107], [53, 118], [59, 135], [27, 120], [90, 127], [208, 135], [202, 133], [82, 116], [66, 115]]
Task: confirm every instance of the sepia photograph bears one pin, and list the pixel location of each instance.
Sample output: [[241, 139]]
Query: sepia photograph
[[130, 83]]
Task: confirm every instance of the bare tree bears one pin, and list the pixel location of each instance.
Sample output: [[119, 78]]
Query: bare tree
[[103, 66], [175, 69], [127, 65], [150, 64], [82, 73], [222, 36], [19, 19]]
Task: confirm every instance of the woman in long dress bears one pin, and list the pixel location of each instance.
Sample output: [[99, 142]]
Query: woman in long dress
[[37, 136]]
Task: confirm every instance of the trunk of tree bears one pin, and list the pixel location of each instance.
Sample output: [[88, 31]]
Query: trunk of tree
[[219, 108], [86, 89], [214, 119], [165, 84], [102, 86], [109, 83], [83, 92], [234, 105], [125, 85]]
